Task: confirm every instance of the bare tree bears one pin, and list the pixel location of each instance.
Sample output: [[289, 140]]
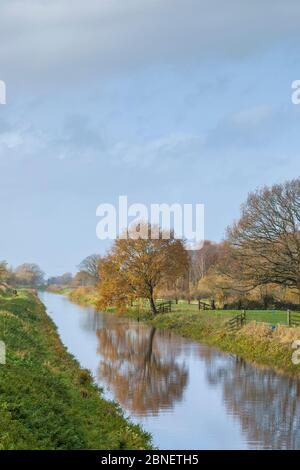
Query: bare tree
[[202, 260], [29, 274], [90, 265], [266, 239]]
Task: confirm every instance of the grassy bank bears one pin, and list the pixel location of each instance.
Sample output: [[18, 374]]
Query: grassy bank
[[80, 295], [256, 342], [46, 400]]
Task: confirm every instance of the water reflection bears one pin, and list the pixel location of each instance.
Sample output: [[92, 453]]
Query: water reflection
[[140, 367], [267, 404], [186, 394]]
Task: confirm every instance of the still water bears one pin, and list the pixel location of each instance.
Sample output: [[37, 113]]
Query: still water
[[188, 395]]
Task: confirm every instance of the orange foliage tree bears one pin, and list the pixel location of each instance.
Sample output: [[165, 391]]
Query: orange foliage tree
[[137, 266]]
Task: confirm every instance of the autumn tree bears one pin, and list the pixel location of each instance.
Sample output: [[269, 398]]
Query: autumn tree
[[90, 266], [29, 274], [265, 241], [138, 265], [139, 364], [83, 279], [202, 260]]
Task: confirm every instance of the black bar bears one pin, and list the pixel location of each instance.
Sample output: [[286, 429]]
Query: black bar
[[137, 459]]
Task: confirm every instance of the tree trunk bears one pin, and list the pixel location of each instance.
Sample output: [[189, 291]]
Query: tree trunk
[[149, 349], [152, 302]]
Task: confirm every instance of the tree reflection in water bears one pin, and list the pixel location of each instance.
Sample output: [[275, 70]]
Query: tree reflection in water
[[140, 366], [267, 404]]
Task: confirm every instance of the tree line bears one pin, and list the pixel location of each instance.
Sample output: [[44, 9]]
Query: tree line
[[27, 274], [257, 263]]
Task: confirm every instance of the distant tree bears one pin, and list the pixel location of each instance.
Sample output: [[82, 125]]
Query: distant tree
[[175, 290], [4, 273], [202, 260], [136, 268], [29, 274], [90, 265], [82, 279], [52, 280], [63, 280], [66, 279], [265, 242]]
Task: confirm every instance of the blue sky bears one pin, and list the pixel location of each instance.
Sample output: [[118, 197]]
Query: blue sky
[[165, 101]]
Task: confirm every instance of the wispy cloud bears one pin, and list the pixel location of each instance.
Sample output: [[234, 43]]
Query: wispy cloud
[[161, 152], [20, 141]]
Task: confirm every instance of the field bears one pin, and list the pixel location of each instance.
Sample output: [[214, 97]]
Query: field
[[268, 316]]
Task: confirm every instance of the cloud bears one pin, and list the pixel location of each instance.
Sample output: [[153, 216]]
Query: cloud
[[252, 127], [252, 117], [159, 153], [63, 39], [19, 141], [78, 139]]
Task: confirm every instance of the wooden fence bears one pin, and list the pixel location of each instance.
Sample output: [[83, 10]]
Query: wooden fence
[[203, 306], [164, 307], [293, 318], [237, 321]]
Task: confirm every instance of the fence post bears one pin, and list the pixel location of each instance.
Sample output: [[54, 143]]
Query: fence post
[[199, 304], [242, 317], [289, 318]]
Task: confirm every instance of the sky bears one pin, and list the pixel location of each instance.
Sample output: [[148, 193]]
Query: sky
[[165, 101]]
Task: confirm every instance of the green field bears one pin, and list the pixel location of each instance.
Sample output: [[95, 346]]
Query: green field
[[46, 400], [268, 316], [273, 317]]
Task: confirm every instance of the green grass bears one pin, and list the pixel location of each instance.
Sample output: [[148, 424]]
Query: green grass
[[46, 400], [59, 290], [80, 295], [268, 316], [272, 317], [83, 295]]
